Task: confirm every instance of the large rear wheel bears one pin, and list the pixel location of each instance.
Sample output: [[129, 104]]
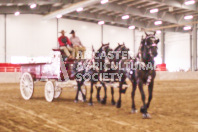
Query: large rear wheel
[[26, 85]]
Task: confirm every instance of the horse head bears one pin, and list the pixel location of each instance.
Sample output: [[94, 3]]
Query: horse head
[[149, 46], [103, 50], [119, 50]]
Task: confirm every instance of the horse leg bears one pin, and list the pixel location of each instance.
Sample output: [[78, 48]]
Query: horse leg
[[124, 90], [104, 100], [150, 91], [112, 98], [84, 97], [122, 81], [118, 105], [133, 97], [98, 93], [77, 91], [143, 109], [91, 92]]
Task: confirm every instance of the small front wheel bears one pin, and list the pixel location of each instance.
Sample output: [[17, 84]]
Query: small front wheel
[[49, 91]]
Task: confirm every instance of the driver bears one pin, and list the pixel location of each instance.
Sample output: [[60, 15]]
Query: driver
[[65, 45]]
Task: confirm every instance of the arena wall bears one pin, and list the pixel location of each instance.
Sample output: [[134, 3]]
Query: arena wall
[[177, 76], [177, 53], [115, 35], [9, 77], [2, 38]]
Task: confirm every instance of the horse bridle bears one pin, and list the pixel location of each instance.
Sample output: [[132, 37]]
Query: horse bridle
[[150, 46]]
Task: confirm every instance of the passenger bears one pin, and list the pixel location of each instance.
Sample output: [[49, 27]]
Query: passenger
[[77, 45], [66, 45]]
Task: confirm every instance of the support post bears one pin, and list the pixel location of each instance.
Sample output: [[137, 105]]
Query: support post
[[102, 34], [5, 47], [191, 59], [194, 47], [134, 42], [163, 46], [57, 31]]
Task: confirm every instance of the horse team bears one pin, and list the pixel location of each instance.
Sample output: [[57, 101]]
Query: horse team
[[110, 66]]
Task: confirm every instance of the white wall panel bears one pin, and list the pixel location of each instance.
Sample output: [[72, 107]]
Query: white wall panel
[[138, 38], [89, 33], [2, 38], [29, 35], [177, 46], [115, 35]]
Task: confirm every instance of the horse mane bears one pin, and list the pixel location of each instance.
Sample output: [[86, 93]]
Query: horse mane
[[100, 49]]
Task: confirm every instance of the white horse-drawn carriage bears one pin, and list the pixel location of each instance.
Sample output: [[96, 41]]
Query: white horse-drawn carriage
[[56, 73]]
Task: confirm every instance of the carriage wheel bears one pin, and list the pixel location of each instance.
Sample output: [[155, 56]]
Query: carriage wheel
[[84, 90], [26, 86], [49, 91], [58, 91]]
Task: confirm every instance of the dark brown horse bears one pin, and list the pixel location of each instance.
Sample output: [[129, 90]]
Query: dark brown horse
[[90, 70], [140, 71], [145, 71]]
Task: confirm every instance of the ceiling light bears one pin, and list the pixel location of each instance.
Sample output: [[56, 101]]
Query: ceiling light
[[187, 28], [101, 22], [170, 9], [20, 4], [190, 2], [104, 1], [158, 22], [17, 13], [32, 6], [154, 10], [131, 27], [125, 17], [58, 16], [158, 31], [188, 17], [10, 4], [79, 9]]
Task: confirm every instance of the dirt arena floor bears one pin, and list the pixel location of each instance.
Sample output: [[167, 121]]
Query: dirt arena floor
[[174, 108]]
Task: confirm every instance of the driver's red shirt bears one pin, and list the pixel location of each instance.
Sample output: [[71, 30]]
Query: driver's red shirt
[[63, 44]]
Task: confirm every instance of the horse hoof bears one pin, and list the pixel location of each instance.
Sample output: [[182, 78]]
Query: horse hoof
[[99, 101], [133, 111], [75, 101], [113, 102], [118, 105], [143, 110], [146, 116], [124, 90], [84, 100], [90, 104], [103, 101]]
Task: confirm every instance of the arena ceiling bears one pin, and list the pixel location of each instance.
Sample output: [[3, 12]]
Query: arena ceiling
[[171, 12]]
